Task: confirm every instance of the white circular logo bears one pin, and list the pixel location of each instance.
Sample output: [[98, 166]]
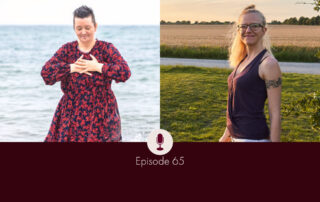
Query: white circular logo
[[159, 142]]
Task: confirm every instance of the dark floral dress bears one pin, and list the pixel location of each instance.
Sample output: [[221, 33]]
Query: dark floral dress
[[88, 110]]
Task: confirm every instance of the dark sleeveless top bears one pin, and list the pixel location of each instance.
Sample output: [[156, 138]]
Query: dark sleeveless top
[[246, 99]]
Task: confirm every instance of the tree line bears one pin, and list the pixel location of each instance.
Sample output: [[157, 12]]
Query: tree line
[[188, 22], [302, 21], [291, 21]]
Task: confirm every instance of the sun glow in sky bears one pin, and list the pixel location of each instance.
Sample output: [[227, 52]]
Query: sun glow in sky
[[107, 12], [135, 12], [229, 10]]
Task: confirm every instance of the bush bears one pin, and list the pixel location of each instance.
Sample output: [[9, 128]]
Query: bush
[[282, 53], [309, 104], [318, 54]]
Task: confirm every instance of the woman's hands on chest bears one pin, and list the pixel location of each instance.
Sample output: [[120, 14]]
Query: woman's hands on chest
[[86, 66]]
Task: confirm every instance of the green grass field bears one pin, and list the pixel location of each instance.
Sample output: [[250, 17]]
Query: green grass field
[[282, 53], [193, 104]]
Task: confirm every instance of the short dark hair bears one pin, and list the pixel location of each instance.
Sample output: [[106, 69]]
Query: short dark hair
[[83, 12]]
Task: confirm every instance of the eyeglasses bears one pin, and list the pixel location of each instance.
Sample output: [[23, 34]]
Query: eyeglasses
[[253, 27]]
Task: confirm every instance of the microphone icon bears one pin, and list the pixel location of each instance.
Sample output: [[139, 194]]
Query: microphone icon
[[160, 141]]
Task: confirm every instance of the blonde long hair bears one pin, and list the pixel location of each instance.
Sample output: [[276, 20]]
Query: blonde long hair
[[237, 49]]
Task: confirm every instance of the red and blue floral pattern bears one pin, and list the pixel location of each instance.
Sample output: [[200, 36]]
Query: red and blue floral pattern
[[88, 110]]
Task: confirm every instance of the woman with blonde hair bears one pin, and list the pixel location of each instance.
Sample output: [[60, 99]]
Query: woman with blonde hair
[[255, 78]]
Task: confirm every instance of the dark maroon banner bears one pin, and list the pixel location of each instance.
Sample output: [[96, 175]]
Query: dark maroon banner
[[217, 170]]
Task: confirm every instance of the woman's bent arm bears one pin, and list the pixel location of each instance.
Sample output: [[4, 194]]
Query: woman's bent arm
[[226, 136], [56, 68], [270, 72], [118, 69]]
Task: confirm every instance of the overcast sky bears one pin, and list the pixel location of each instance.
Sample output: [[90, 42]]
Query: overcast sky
[[107, 12], [229, 10]]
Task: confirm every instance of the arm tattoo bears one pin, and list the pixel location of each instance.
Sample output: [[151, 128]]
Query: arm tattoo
[[273, 83]]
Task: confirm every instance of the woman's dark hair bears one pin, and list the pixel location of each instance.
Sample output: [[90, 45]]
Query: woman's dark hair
[[83, 12]]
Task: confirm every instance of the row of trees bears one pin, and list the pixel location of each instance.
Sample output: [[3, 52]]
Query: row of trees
[[302, 21], [188, 22], [291, 21]]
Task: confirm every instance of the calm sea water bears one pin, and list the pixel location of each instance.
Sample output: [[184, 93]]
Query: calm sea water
[[28, 105]]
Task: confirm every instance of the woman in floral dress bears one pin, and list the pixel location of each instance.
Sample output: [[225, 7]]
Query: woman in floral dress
[[88, 110]]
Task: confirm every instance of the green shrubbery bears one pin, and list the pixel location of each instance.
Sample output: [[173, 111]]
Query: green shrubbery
[[318, 55], [282, 53], [309, 105]]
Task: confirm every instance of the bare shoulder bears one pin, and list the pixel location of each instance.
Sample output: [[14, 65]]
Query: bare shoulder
[[269, 68]]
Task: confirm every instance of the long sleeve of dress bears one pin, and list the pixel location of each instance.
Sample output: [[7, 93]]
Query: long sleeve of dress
[[56, 68], [118, 68]]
